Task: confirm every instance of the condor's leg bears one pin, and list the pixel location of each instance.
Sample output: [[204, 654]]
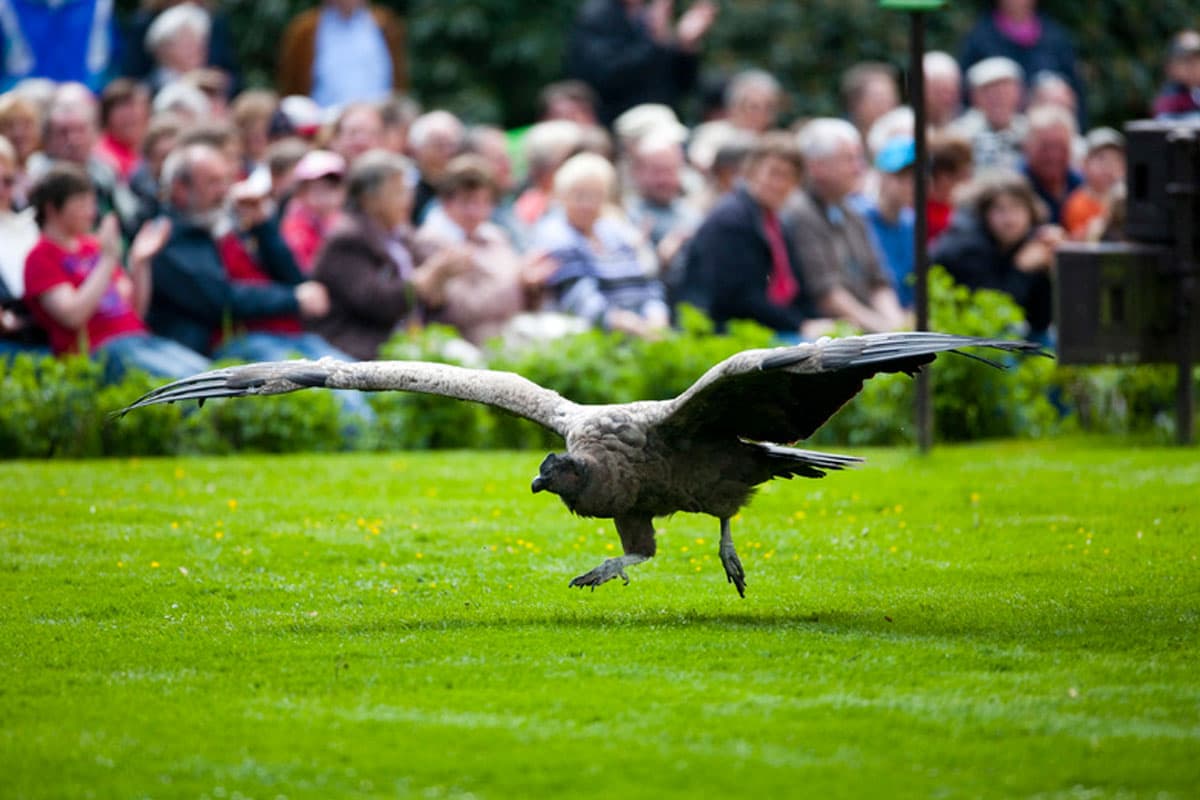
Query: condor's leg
[[729, 559], [637, 540]]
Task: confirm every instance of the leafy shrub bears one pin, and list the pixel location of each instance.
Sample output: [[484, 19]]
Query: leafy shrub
[[50, 407]]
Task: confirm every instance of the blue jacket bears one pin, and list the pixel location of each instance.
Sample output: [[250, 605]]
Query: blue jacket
[[71, 40], [193, 296]]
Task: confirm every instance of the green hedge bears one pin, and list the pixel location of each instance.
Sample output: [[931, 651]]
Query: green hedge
[[54, 407], [487, 59]]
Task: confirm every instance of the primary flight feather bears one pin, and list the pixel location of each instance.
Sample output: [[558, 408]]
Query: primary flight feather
[[704, 451]]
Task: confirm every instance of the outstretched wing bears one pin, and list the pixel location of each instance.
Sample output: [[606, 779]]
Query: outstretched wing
[[785, 394], [504, 390]]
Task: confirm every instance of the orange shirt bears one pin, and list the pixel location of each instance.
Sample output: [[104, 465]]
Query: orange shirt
[[1081, 207]]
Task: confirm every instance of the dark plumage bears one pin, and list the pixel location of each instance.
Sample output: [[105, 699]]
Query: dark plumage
[[704, 451]]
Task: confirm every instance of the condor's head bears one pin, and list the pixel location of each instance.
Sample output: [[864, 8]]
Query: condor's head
[[564, 475]]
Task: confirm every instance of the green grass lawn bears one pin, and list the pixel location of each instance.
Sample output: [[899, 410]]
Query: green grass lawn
[[994, 620]]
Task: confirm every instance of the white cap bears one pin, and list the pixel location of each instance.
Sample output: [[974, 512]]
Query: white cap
[[996, 68]]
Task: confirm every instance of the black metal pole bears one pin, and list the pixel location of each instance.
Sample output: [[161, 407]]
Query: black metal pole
[[916, 92], [1185, 200]]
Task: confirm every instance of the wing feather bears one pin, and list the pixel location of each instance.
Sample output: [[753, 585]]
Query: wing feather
[[503, 390], [785, 394]]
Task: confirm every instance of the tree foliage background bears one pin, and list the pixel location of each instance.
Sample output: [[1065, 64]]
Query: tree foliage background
[[487, 59]]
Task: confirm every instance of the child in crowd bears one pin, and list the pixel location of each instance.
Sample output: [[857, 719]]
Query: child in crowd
[[1087, 209], [1180, 98], [76, 289]]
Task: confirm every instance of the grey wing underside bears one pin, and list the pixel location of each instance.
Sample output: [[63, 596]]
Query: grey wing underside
[[503, 390], [785, 394]]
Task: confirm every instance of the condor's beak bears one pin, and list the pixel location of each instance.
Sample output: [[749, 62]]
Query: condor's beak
[[539, 484]]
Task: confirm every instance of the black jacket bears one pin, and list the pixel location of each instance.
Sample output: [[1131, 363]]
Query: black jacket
[[729, 265], [974, 259], [617, 57], [193, 295]]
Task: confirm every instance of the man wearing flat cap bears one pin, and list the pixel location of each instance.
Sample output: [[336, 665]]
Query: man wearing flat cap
[[994, 124]]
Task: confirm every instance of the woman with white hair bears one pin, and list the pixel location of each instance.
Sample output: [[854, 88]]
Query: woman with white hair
[[177, 39], [606, 273]]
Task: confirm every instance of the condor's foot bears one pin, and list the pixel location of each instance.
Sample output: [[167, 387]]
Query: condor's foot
[[729, 559], [611, 568]]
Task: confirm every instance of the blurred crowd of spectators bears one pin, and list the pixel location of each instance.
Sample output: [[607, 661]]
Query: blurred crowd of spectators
[[156, 213]]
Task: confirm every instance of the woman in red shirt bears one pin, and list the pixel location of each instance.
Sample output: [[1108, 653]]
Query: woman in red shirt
[[77, 290]]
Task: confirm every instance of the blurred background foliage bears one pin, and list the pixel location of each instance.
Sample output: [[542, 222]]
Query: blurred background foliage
[[487, 59]]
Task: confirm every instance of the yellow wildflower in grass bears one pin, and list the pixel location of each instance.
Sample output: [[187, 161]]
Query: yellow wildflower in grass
[[233, 504], [154, 565]]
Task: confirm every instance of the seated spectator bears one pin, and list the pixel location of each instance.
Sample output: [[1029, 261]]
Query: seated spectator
[[358, 129], [657, 207], [18, 234], [64, 42], [252, 112], [898, 123], [943, 89], [491, 144], [184, 100], [950, 166], [282, 158], [194, 299], [891, 216], [1052, 89], [547, 146], [21, 125], [742, 264], [754, 99], [398, 113], [498, 284], [345, 51], [605, 274], [998, 241], [124, 116], [375, 288], [215, 85], [1088, 209], [177, 40], [71, 135], [869, 90], [570, 100], [1180, 96], [993, 124], [77, 291], [315, 205], [1015, 30], [719, 162], [632, 51], [1048, 148], [159, 141], [841, 270], [434, 139]]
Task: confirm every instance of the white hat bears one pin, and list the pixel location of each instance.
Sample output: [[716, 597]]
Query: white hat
[[996, 68]]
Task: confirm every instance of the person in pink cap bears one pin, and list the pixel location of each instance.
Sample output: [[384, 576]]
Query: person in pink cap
[[316, 205]]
